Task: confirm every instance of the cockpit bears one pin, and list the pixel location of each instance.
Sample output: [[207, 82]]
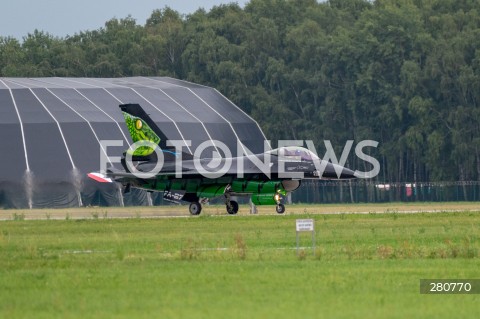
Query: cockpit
[[294, 152]]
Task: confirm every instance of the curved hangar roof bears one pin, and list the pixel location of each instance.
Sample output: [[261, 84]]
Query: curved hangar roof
[[52, 128]]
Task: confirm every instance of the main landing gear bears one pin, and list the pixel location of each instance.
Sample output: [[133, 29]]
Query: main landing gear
[[232, 207], [230, 203], [195, 208]]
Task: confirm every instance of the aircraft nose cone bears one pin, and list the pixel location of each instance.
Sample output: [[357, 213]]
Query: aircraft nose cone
[[336, 171], [347, 174]]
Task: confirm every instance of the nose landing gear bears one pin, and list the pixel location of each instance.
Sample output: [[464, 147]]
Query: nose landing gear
[[280, 208]]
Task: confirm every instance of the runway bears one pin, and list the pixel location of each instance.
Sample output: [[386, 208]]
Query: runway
[[181, 211]]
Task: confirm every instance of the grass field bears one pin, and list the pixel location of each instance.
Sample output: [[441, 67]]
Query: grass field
[[365, 266]]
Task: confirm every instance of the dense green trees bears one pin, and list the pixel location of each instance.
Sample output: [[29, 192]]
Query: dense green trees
[[405, 73]]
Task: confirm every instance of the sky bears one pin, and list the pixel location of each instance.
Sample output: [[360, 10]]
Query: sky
[[67, 17]]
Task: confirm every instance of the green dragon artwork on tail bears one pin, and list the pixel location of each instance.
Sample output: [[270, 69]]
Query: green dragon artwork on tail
[[140, 131]]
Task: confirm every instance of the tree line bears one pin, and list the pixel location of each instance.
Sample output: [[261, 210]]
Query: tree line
[[405, 73]]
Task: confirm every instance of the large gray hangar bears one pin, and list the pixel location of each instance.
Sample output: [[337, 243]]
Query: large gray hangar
[[51, 130]]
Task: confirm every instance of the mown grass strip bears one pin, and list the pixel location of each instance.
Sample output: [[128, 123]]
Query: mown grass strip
[[241, 267]]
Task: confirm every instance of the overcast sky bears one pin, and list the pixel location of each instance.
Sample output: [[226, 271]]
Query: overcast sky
[[67, 17]]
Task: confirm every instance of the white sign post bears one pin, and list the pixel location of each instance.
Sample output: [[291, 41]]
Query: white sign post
[[305, 225]]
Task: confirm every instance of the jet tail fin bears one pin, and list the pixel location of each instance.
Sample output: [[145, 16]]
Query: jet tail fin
[[142, 128]]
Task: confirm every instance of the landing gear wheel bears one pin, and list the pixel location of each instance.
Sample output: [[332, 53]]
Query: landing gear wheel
[[280, 208], [232, 209], [195, 208]]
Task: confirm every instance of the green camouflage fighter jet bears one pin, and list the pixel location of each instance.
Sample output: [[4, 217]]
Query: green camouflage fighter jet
[[266, 178]]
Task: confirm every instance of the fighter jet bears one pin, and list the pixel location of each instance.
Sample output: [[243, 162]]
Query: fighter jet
[[157, 166]]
